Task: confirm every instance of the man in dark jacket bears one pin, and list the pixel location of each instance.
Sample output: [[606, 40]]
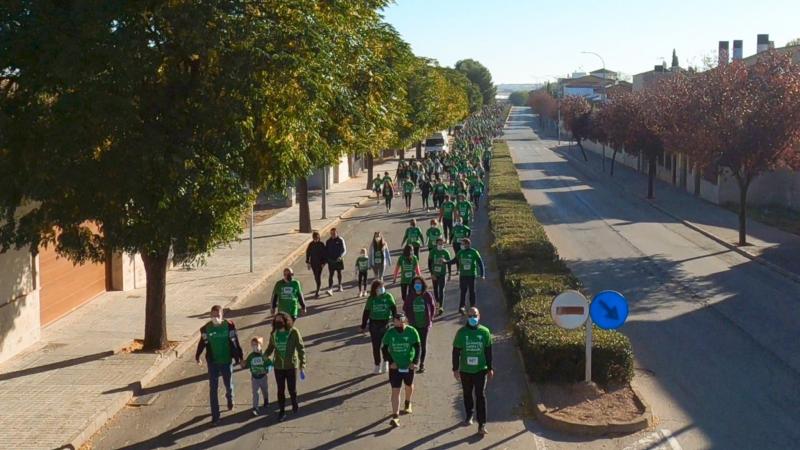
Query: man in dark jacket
[[335, 249], [316, 258], [219, 340]]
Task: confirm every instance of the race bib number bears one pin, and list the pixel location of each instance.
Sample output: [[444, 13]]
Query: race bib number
[[408, 274], [437, 268], [403, 370], [472, 360], [419, 308], [467, 265]]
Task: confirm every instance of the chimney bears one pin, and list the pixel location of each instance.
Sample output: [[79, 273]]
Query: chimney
[[723, 53], [762, 43], [737, 50]]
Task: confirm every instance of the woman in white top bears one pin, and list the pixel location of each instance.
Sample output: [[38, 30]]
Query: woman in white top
[[379, 256]]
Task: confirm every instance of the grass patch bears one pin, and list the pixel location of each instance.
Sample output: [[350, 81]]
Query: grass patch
[[532, 274]]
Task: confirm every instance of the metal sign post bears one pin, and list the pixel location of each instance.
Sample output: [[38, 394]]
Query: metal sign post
[[324, 192], [252, 219], [589, 350]]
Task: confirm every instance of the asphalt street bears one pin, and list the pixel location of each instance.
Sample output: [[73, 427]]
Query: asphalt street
[[714, 334]]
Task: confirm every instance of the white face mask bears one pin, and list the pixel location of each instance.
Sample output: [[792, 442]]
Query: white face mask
[[216, 320], [440, 247], [256, 348], [381, 290]]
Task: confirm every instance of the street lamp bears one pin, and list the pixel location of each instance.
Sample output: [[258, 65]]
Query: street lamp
[[604, 70]]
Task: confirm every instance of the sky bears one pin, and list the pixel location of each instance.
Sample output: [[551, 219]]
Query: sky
[[532, 41]]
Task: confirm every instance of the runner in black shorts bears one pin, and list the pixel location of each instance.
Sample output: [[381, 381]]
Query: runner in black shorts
[[401, 348]]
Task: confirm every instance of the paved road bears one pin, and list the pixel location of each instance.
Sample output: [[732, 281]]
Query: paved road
[[715, 334], [342, 404]]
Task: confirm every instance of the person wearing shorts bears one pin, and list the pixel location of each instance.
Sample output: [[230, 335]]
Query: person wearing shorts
[[401, 347]]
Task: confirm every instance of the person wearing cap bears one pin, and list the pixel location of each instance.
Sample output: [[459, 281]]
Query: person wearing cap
[[401, 347], [472, 366], [287, 296]]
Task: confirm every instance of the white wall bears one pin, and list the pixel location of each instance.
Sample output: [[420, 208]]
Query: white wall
[[578, 91], [20, 325]]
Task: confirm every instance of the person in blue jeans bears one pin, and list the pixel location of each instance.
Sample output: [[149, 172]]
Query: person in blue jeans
[[219, 340]]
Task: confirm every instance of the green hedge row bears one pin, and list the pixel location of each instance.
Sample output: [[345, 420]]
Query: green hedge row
[[532, 275]]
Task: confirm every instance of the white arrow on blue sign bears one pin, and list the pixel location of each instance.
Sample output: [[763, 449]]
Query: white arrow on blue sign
[[609, 310]]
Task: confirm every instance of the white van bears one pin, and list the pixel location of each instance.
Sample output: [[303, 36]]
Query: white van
[[437, 143]]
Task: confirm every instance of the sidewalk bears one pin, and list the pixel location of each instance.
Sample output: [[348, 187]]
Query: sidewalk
[[770, 246], [63, 389]]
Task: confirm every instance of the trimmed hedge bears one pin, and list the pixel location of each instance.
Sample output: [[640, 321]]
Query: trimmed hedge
[[532, 274]]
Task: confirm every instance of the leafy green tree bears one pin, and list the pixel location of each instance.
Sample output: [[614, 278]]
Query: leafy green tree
[[519, 98], [480, 75]]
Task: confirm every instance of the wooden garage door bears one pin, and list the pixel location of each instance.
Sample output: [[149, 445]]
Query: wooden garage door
[[65, 286]]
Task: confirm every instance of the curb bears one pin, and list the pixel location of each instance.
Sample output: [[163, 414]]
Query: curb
[[166, 359], [751, 256], [582, 429]]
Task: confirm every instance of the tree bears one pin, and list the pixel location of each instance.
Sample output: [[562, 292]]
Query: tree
[[543, 104], [480, 75], [750, 120], [519, 98], [134, 118], [793, 42], [615, 117], [576, 113]]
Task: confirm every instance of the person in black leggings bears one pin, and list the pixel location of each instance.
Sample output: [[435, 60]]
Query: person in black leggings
[[426, 187], [378, 310], [288, 353], [316, 258]]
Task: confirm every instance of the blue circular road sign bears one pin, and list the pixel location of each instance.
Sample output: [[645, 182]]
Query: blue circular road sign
[[609, 310]]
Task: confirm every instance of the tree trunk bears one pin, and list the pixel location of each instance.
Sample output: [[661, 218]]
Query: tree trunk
[[696, 180], [613, 160], [419, 149], [302, 201], [743, 188], [604, 158], [155, 313], [370, 168], [651, 176], [583, 152], [402, 154]]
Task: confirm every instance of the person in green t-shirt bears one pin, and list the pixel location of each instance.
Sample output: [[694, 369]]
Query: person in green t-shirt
[[408, 190], [362, 269], [446, 213], [259, 368], [219, 340], [460, 232], [401, 347], [487, 159], [378, 311], [413, 237], [472, 366], [475, 192], [420, 311], [288, 352], [439, 190], [439, 258], [470, 266], [407, 266], [464, 209], [377, 187], [287, 295], [388, 194]]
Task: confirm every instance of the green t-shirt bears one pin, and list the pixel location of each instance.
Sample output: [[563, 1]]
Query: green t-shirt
[[413, 236], [487, 154], [377, 183], [408, 186], [401, 345], [464, 209], [281, 339], [288, 296], [377, 255], [452, 190], [468, 261], [440, 188], [460, 232], [439, 259], [380, 307], [477, 187], [362, 263], [218, 337], [418, 306], [447, 208], [408, 268], [258, 364], [473, 343], [433, 233], [388, 191]]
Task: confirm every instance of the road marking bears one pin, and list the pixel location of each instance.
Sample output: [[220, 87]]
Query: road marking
[[673, 443], [660, 440]]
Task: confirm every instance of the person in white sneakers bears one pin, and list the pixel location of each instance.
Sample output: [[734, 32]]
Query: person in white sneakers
[[362, 268], [378, 311]]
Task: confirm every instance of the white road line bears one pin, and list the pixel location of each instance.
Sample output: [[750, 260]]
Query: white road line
[[673, 443]]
